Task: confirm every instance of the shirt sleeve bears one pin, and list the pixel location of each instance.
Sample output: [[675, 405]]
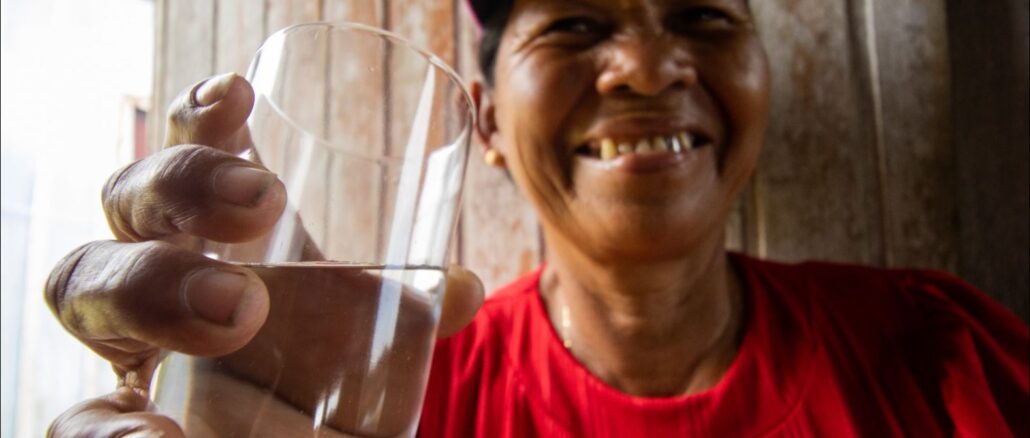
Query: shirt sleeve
[[984, 356]]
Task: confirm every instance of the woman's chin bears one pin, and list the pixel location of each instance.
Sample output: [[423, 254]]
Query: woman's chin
[[645, 244]]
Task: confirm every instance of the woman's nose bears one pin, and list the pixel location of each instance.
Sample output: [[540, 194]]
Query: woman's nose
[[646, 65]]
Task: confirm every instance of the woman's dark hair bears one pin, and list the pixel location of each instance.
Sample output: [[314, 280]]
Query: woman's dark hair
[[490, 41]]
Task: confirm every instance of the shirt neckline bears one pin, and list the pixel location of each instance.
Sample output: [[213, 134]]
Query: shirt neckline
[[748, 376]]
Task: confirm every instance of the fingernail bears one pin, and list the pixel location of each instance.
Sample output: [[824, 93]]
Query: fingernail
[[213, 90], [242, 185], [142, 434], [214, 294]]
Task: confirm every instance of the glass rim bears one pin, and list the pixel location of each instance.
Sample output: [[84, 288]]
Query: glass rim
[[426, 54]]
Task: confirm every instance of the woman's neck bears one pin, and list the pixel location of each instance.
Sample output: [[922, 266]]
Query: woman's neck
[[647, 329]]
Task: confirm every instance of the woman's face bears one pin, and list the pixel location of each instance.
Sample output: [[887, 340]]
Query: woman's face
[[585, 87]]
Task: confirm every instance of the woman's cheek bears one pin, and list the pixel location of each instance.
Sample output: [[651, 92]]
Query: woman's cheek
[[740, 85], [753, 83], [537, 107], [546, 96]]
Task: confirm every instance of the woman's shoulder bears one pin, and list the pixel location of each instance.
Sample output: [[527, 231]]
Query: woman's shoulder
[[870, 292], [878, 312], [970, 352]]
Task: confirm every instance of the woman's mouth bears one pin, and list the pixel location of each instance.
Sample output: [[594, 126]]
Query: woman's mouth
[[607, 148]]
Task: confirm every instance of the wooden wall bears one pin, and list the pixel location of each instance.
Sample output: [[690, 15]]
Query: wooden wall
[[873, 154], [991, 139]]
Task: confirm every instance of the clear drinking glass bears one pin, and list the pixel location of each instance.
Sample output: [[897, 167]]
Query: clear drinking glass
[[370, 135]]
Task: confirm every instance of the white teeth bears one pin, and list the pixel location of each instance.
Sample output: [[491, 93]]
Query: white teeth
[[675, 145], [625, 148], [608, 149], [643, 146]]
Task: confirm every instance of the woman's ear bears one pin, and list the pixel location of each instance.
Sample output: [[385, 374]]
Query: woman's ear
[[486, 123]]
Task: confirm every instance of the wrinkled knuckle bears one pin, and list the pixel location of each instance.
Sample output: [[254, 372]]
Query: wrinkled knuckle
[[179, 177], [114, 198], [181, 111], [135, 272], [154, 251], [56, 287], [147, 258], [170, 191], [144, 258], [188, 157], [66, 282]]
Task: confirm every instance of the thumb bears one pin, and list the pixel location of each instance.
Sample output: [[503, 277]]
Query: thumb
[[212, 112], [123, 413], [462, 299]]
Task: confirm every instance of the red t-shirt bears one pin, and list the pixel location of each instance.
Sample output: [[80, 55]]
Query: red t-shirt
[[829, 350]]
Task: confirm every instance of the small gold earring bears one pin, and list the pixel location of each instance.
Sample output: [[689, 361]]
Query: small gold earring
[[493, 158]]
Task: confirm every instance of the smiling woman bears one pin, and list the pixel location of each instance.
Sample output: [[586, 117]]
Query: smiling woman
[[628, 81], [631, 129]]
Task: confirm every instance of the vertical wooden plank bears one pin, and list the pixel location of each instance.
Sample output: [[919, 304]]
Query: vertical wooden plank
[[753, 218], [240, 30], [283, 13], [355, 122], [989, 63], [185, 52], [306, 64], [744, 225], [817, 181], [911, 59], [500, 233], [735, 227], [428, 25], [365, 12], [156, 115]]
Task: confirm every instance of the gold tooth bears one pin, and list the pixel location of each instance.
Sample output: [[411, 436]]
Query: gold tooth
[[608, 149], [688, 143], [625, 148], [643, 146], [659, 144]]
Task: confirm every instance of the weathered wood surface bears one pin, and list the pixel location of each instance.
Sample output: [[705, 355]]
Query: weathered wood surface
[[897, 136], [858, 165], [989, 51], [239, 30], [816, 184], [184, 51], [365, 131], [917, 160]]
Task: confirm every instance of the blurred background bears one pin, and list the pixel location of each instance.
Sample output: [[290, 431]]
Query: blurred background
[[898, 137], [76, 87]]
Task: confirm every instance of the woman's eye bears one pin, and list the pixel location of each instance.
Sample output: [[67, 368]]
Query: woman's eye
[[703, 18], [576, 25]]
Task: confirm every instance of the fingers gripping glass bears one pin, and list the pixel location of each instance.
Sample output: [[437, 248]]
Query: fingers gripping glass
[[370, 136]]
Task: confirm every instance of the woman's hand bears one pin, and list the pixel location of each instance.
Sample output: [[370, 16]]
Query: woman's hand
[[146, 291]]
